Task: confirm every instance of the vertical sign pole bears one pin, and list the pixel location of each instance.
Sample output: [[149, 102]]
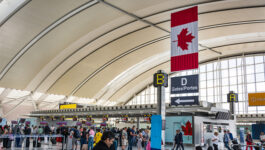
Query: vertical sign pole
[[161, 109]]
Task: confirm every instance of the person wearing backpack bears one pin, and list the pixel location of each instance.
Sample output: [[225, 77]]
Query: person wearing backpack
[[249, 141], [27, 131], [76, 136]]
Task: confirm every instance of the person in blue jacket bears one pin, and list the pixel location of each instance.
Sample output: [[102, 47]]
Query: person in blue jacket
[[178, 140], [230, 135], [226, 140]]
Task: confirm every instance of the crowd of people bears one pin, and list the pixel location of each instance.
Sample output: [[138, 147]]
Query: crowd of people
[[90, 138], [102, 138], [230, 142]]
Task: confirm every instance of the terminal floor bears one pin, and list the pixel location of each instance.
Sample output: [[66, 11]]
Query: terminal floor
[[58, 146]]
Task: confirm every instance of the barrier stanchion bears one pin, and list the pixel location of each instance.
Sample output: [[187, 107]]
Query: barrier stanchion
[[23, 139], [63, 142]]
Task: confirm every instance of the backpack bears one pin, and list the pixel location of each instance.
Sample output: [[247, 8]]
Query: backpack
[[76, 134]]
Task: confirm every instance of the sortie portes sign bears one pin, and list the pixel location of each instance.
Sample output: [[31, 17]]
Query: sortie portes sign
[[185, 84]]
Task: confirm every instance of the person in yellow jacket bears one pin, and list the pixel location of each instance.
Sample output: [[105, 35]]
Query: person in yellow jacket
[[97, 137]]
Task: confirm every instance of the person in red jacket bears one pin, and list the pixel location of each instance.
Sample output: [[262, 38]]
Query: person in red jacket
[[249, 141]]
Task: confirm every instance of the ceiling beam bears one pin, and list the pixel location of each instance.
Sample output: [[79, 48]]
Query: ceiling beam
[[133, 15], [208, 48]]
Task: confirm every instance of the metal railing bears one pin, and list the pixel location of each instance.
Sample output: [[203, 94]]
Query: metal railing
[[35, 137], [260, 146]]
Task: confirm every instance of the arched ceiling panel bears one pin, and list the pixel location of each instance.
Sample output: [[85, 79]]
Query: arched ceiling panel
[[233, 49], [129, 74], [28, 22], [103, 34], [153, 6], [79, 49], [137, 84], [220, 9], [56, 40], [102, 56], [109, 73], [231, 30], [166, 25]]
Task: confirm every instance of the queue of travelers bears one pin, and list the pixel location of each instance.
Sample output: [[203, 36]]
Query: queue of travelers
[[87, 138], [102, 138]]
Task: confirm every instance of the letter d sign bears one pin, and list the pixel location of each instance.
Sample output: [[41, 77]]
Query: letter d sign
[[184, 81]]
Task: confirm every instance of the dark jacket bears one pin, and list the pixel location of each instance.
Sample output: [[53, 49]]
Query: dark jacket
[[27, 131], [47, 130], [101, 146], [249, 138], [179, 138]]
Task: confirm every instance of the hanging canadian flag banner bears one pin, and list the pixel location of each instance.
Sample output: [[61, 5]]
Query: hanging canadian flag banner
[[184, 39]]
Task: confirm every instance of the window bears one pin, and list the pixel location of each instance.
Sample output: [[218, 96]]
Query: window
[[258, 59], [249, 60], [219, 77], [209, 67], [224, 73], [260, 77], [250, 69], [261, 87], [224, 64], [251, 78], [232, 63], [202, 68], [209, 75], [251, 88], [232, 72], [259, 68]]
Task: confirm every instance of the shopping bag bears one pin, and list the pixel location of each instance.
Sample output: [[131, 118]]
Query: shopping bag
[[85, 147]]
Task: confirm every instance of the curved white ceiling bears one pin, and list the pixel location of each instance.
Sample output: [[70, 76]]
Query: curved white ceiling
[[89, 49]]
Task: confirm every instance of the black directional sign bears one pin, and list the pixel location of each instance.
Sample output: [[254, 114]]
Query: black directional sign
[[232, 97], [185, 84], [187, 100]]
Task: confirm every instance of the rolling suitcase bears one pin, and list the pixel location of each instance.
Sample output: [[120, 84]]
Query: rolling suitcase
[[53, 140], [9, 143], [27, 142], [34, 143], [38, 144]]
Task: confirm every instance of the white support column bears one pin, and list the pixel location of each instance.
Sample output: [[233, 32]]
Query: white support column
[[4, 94], [42, 98], [1, 110], [24, 98], [245, 82], [2, 98]]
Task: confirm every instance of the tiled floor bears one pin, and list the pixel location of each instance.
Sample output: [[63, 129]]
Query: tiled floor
[[58, 146]]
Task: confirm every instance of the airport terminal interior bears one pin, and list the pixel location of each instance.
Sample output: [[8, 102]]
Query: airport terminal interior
[[132, 74]]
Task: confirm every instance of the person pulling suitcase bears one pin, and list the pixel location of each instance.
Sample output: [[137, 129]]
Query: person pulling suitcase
[[27, 132]]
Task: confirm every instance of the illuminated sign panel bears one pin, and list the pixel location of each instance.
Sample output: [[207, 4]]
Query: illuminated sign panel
[[68, 106], [256, 99]]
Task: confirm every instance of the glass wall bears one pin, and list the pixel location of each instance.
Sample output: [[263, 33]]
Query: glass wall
[[242, 74]]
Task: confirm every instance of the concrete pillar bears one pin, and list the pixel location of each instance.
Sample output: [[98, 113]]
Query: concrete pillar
[[138, 123]]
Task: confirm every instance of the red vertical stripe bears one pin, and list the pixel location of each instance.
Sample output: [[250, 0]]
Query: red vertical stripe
[[184, 16], [184, 62]]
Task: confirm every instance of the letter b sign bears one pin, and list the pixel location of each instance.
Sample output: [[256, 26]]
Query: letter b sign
[[160, 79]]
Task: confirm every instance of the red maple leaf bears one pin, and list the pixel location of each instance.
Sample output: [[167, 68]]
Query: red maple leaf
[[187, 129], [184, 38]]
